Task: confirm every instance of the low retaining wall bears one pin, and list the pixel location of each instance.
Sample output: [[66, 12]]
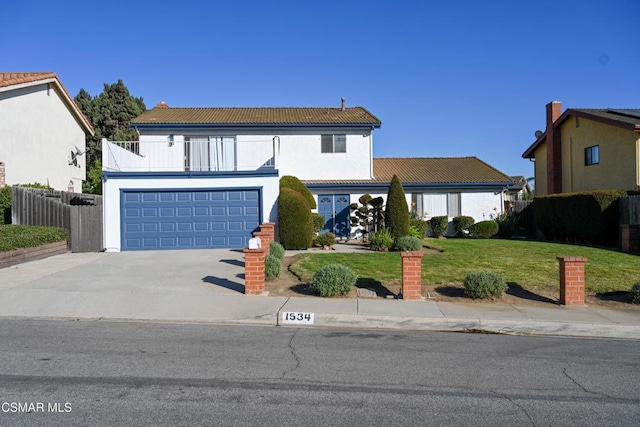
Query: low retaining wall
[[19, 256]]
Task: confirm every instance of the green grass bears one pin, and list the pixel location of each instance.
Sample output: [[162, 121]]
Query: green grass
[[529, 264], [27, 236]]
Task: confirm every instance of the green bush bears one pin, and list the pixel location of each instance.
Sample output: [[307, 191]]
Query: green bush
[[439, 225], [27, 236], [484, 229], [418, 228], [294, 220], [381, 241], [318, 222], [324, 239], [334, 279], [484, 284], [508, 224], [277, 250], [396, 214], [272, 267], [590, 217], [408, 243], [635, 293], [462, 223], [295, 184], [5, 205]]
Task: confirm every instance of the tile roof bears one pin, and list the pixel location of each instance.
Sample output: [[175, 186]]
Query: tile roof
[[8, 79], [258, 116], [430, 170]]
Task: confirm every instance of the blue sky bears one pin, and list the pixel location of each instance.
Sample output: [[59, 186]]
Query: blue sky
[[448, 79]]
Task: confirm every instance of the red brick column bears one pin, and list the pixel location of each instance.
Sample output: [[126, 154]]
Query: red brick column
[[571, 280], [270, 229], [411, 275], [254, 271], [264, 239]]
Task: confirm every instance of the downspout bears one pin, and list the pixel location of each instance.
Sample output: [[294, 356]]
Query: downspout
[[371, 154]]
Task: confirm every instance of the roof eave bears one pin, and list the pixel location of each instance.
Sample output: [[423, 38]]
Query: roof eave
[[252, 125]]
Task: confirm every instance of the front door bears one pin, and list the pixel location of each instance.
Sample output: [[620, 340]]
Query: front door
[[335, 209]]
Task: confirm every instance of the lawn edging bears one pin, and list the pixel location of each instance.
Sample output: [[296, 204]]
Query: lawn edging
[[18, 256]]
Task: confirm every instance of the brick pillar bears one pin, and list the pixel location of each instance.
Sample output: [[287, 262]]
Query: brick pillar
[[630, 238], [411, 275], [571, 280], [3, 181], [254, 271], [270, 229], [264, 239]]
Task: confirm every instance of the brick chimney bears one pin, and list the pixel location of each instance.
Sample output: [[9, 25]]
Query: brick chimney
[[3, 181], [343, 103], [554, 149], [162, 104]]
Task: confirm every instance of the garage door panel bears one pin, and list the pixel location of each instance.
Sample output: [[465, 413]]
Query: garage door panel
[[188, 219]]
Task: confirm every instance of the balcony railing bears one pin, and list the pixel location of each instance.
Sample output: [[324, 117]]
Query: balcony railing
[[195, 155]]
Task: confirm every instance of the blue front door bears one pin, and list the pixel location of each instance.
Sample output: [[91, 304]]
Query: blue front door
[[335, 209]]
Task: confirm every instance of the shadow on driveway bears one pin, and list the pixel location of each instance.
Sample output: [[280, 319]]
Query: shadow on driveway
[[225, 283]]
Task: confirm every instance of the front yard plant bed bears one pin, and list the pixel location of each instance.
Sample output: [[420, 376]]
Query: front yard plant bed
[[525, 264], [21, 243]]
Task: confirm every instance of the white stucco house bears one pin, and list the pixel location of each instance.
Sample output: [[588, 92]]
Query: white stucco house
[[42, 132], [207, 177]]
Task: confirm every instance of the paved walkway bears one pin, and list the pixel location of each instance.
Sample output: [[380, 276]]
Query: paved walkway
[[207, 285]]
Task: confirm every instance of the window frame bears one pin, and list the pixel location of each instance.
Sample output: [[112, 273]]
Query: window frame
[[324, 143], [592, 155]]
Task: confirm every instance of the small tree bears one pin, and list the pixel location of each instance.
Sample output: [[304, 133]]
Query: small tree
[[368, 215], [396, 215]]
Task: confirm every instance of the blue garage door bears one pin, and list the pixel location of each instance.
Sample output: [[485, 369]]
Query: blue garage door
[[181, 219]]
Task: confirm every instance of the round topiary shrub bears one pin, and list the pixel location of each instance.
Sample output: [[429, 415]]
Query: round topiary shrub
[[635, 293], [272, 267], [439, 225], [334, 279], [484, 284], [276, 250], [408, 243], [462, 224], [289, 181], [484, 229], [325, 239], [294, 220]]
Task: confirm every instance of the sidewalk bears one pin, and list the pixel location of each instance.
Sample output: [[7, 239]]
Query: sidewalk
[[57, 288]]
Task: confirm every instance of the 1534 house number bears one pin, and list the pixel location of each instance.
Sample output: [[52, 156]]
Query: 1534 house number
[[297, 317]]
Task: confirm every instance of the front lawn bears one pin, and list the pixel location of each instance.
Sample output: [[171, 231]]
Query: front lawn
[[529, 264]]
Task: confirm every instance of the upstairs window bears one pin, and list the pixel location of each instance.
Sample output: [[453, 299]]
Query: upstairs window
[[592, 155], [333, 143]]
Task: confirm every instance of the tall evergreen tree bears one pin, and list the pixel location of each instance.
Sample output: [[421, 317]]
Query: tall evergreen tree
[[109, 114], [396, 215]]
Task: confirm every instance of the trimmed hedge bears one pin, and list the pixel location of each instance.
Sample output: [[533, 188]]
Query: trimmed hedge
[[334, 279], [484, 229], [289, 181], [589, 217], [294, 220], [439, 225], [396, 214], [462, 223], [28, 236]]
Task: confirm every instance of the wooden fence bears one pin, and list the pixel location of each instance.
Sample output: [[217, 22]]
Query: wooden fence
[[80, 214], [630, 210]]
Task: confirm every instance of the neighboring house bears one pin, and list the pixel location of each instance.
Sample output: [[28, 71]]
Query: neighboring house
[[520, 189], [587, 149], [207, 177], [42, 132]]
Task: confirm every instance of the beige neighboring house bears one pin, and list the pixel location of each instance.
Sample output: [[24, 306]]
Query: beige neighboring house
[[520, 190], [42, 132], [586, 149]]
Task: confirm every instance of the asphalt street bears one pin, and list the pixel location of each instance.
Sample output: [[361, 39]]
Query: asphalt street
[[126, 373]]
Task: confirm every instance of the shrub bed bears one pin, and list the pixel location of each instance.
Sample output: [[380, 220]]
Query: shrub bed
[[28, 236]]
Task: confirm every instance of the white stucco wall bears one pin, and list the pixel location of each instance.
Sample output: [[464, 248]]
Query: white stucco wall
[[37, 134], [112, 186], [298, 151]]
